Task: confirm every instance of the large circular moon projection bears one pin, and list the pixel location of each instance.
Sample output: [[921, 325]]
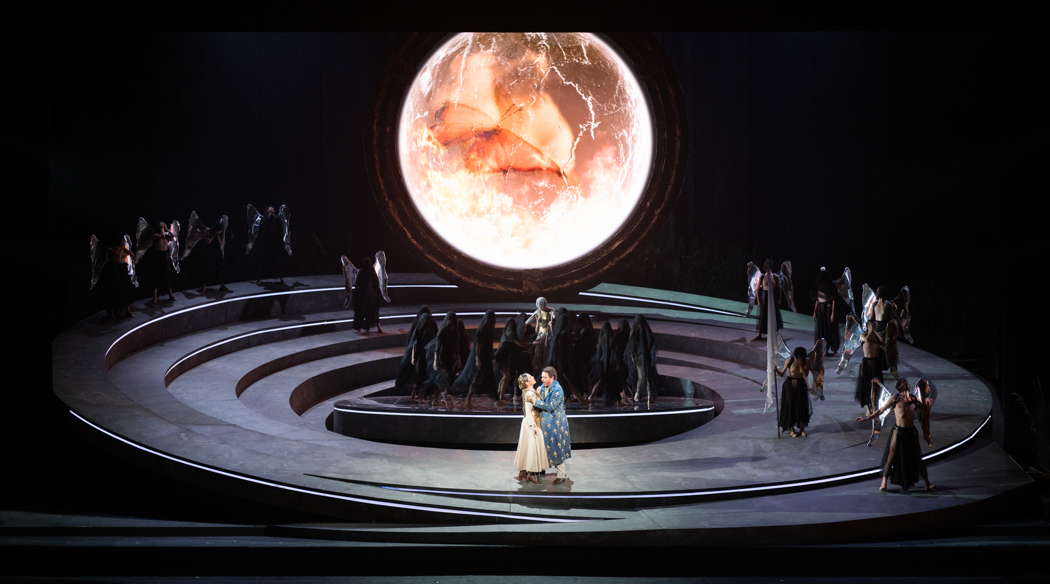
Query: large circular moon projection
[[525, 151]]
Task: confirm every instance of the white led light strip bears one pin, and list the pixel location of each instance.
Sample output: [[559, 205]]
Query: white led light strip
[[255, 296], [665, 302], [518, 416], [703, 493], [298, 326], [319, 493]]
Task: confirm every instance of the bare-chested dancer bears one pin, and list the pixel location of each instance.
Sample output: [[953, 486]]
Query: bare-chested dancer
[[902, 461], [870, 368]]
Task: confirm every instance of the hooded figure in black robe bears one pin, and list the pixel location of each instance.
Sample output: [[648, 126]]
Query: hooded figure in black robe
[[561, 354], [478, 376], [412, 371], [618, 374], [366, 298], [641, 360], [512, 359], [603, 367], [585, 341], [441, 353]]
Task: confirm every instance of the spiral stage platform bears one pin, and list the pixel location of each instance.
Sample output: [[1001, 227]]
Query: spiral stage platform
[[245, 393]]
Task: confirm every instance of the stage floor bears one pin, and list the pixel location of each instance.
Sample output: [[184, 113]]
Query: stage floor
[[238, 389]]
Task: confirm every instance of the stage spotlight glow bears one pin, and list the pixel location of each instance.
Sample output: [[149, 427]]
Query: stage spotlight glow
[[525, 150]]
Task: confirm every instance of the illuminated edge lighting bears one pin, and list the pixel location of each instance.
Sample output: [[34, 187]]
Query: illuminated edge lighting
[[518, 416], [319, 493], [668, 303], [254, 296], [296, 326], [703, 493]]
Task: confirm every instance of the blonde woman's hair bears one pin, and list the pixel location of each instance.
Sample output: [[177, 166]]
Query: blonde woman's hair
[[523, 380]]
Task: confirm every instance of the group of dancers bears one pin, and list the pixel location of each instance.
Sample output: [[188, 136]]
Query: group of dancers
[[881, 323], [609, 366]]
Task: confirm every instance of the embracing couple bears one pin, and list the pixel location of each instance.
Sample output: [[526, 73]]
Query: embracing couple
[[544, 438]]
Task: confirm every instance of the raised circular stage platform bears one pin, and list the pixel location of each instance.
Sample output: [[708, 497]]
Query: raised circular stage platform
[[267, 393]]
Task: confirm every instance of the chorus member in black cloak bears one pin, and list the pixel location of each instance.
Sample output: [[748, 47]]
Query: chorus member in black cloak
[[795, 407], [902, 462], [441, 353], [768, 283], [270, 241], [478, 376], [366, 299], [560, 353], [412, 370], [640, 356], [824, 311], [512, 359], [585, 340], [602, 370], [618, 370], [870, 369], [158, 256], [542, 322]]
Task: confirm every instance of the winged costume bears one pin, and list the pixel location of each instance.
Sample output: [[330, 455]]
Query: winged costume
[[157, 254], [269, 235]]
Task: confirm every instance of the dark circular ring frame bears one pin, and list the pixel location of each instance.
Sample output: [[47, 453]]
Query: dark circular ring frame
[[653, 71]]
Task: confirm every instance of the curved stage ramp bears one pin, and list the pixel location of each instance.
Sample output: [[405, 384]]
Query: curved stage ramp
[[241, 393]]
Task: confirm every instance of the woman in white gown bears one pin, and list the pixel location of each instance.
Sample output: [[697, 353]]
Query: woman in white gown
[[531, 456]]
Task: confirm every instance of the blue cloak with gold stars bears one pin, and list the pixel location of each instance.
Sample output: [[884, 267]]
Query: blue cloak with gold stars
[[554, 424]]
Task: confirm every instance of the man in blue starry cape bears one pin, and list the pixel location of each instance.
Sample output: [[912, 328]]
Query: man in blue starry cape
[[553, 422]]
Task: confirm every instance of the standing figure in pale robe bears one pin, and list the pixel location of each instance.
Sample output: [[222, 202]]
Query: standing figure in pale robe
[[531, 456], [554, 424]]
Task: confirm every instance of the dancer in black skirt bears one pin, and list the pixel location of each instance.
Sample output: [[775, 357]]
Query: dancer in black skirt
[[902, 462], [870, 368], [824, 308], [795, 407]]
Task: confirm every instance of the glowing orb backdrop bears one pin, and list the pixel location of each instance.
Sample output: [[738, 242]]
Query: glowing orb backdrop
[[525, 163], [525, 150]]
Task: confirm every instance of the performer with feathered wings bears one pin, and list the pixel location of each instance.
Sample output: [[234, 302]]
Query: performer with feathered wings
[[268, 235], [157, 255]]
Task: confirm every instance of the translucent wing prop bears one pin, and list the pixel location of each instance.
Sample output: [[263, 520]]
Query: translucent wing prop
[[220, 233], [903, 304], [786, 284], [885, 397], [815, 362], [196, 230], [129, 259], [173, 248], [380, 269], [782, 349], [98, 260], [254, 226], [844, 286], [349, 279], [285, 215], [753, 275], [143, 239], [850, 344], [867, 297]]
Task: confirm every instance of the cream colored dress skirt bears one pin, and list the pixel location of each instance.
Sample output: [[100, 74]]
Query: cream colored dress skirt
[[531, 455]]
